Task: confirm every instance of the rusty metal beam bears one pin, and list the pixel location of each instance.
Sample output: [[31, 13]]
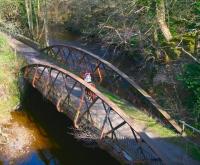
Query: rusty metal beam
[[115, 128]]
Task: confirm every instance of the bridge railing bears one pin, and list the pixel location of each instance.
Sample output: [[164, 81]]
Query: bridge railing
[[71, 95], [184, 125], [104, 73]]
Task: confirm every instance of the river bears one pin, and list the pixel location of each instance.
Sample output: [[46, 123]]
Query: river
[[39, 135], [59, 35]]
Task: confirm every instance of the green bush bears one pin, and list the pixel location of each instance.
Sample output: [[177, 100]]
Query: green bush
[[191, 80]]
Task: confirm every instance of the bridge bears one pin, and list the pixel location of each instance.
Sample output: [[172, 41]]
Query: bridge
[[111, 78], [67, 92], [59, 81]]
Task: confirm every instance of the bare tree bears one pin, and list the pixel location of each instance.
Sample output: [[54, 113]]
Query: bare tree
[[160, 14], [28, 5], [46, 23]]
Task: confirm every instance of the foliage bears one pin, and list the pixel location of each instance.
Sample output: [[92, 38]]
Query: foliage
[[191, 80], [196, 24], [172, 49], [114, 22], [9, 10], [130, 25], [16, 16], [9, 15]]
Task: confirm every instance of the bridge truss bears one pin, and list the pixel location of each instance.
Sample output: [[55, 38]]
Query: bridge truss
[[105, 74], [68, 93]]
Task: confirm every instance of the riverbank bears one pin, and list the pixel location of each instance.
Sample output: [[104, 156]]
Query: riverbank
[[13, 138], [18, 134], [10, 65]]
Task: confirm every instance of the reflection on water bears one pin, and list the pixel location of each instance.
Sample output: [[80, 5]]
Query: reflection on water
[[50, 142], [59, 32], [59, 35]]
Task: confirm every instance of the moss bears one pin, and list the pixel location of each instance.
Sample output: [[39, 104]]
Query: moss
[[187, 41], [173, 53]]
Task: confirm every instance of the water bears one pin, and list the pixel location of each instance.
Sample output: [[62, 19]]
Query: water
[[59, 35], [41, 136]]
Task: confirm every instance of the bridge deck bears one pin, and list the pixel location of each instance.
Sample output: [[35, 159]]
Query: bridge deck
[[98, 113]]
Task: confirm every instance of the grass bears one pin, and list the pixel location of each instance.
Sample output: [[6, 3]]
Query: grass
[[153, 126], [9, 69], [193, 150], [188, 146], [142, 118]]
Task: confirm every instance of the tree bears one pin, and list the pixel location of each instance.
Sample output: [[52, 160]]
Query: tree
[[46, 23], [28, 5], [160, 14]]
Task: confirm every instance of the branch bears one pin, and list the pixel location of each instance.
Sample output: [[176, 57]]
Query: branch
[[189, 54], [110, 27]]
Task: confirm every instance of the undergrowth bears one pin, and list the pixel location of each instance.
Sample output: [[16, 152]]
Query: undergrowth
[[191, 80], [9, 69]]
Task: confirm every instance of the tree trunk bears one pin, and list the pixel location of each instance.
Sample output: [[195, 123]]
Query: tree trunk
[[46, 24], [155, 43], [28, 5], [196, 48], [36, 13], [160, 11]]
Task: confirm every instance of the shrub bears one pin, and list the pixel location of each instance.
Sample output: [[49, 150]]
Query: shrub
[[191, 80]]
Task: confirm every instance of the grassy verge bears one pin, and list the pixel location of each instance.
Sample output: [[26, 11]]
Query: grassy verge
[[188, 146], [9, 69], [150, 123], [153, 126]]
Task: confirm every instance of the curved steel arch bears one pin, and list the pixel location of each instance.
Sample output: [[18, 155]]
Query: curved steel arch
[[67, 92], [78, 60]]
